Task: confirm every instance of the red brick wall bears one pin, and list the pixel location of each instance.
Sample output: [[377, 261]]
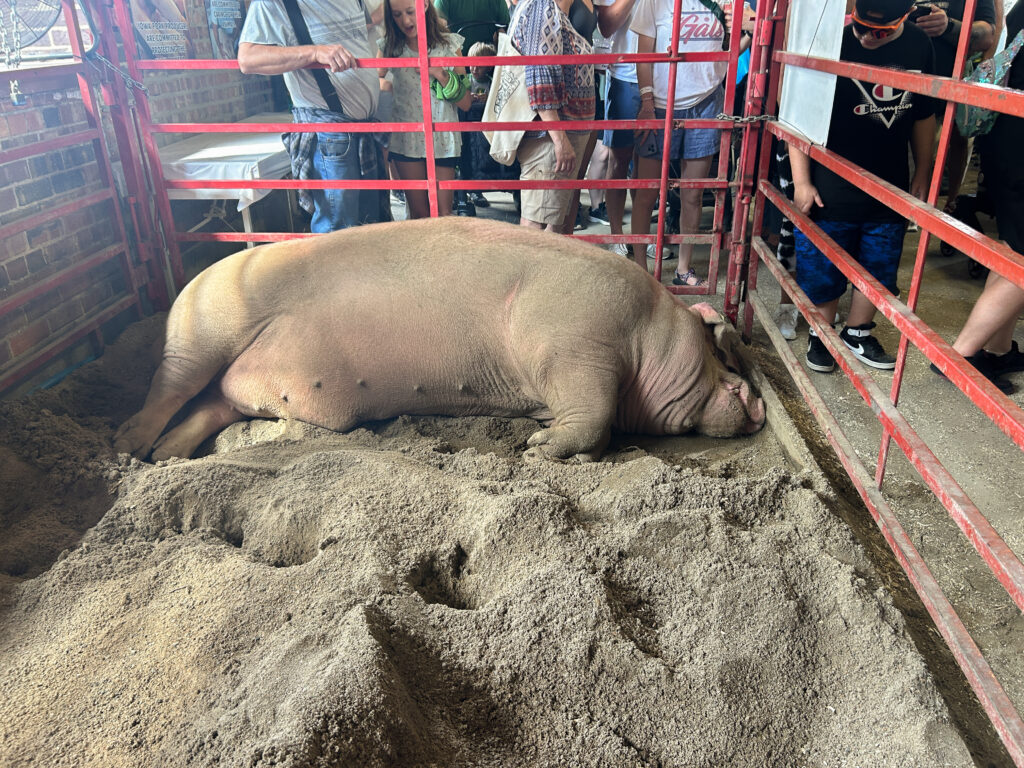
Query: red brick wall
[[40, 183]]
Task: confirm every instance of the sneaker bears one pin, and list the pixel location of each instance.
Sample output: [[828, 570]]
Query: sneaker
[[622, 249], [667, 254], [478, 199], [865, 347], [398, 195], [983, 362], [599, 215], [818, 357], [465, 208], [1009, 362], [786, 319], [582, 220]]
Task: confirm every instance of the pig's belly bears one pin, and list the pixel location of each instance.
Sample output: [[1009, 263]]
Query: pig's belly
[[338, 382]]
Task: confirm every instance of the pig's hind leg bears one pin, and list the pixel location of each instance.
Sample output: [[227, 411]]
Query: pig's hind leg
[[210, 413], [176, 381]]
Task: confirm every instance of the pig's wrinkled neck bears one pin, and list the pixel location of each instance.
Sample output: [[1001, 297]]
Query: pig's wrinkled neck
[[669, 389]]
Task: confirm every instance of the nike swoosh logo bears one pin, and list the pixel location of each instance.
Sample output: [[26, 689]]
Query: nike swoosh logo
[[858, 350]]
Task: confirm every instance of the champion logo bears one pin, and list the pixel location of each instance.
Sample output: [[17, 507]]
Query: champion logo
[[882, 102]]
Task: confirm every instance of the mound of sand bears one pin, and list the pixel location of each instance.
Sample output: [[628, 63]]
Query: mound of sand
[[414, 594]]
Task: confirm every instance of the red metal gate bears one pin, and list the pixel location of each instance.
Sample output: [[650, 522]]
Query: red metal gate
[[137, 261], [755, 188]]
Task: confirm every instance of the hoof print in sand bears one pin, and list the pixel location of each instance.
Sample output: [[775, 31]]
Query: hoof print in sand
[[437, 578]]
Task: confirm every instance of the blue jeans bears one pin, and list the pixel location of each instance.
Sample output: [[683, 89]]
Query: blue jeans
[[337, 158], [875, 245]]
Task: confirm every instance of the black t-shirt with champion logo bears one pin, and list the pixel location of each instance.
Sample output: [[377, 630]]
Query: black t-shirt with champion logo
[[872, 126]]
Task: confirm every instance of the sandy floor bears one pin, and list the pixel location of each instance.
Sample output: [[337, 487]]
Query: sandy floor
[[414, 594]]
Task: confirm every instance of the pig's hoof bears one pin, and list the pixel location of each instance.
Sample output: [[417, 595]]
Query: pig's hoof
[[129, 440], [541, 453]]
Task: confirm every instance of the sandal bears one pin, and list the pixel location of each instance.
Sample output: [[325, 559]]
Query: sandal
[[697, 282]]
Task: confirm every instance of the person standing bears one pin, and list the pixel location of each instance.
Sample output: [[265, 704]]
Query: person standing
[[622, 102], [873, 127], [338, 35], [699, 95], [556, 92], [942, 21], [449, 92], [986, 340]]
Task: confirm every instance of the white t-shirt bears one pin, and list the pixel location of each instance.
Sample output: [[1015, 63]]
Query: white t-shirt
[[623, 41], [330, 22], [699, 31]]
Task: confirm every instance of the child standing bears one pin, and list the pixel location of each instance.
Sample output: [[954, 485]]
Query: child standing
[[449, 93], [872, 126], [477, 163]]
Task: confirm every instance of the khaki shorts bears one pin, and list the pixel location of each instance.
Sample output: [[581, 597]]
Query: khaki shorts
[[537, 159]]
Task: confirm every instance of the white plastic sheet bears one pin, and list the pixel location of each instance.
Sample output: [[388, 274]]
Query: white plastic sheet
[[815, 29], [221, 156]]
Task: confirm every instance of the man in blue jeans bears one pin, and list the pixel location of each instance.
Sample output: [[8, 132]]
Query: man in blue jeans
[[338, 31], [872, 126]]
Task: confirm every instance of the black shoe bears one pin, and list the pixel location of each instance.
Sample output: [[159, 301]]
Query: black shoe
[[865, 347], [465, 209], [982, 361], [478, 199], [599, 215], [818, 357], [582, 220], [1009, 362]]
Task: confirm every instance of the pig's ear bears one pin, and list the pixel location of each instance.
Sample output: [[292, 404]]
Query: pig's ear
[[708, 314], [726, 341]]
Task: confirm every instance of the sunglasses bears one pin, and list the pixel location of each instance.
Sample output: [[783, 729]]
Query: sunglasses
[[875, 29]]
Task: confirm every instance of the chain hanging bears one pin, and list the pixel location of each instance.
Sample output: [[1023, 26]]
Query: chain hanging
[[100, 62], [12, 52], [744, 120]]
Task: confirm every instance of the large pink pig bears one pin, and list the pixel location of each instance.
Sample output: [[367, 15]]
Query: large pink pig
[[452, 316]]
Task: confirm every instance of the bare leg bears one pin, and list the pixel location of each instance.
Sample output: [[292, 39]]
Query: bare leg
[[598, 170], [569, 222], [992, 321], [615, 199], [690, 207], [956, 164], [643, 206], [419, 200]]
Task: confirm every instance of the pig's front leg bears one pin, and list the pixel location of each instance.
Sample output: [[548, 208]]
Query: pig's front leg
[[582, 400]]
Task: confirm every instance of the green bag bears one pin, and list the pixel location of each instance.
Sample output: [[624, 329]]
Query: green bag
[[977, 121]]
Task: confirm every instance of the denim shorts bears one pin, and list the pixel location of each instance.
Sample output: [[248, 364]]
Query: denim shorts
[[443, 162], [689, 143], [622, 102], [876, 246]]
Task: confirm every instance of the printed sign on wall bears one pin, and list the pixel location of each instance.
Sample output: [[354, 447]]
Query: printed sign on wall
[[161, 29], [225, 18]]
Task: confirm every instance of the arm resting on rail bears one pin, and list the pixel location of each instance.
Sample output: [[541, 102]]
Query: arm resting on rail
[[254, 59]]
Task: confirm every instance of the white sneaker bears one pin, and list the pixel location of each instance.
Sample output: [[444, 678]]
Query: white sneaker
[[667, 252], [786, 319], [622, 249]]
